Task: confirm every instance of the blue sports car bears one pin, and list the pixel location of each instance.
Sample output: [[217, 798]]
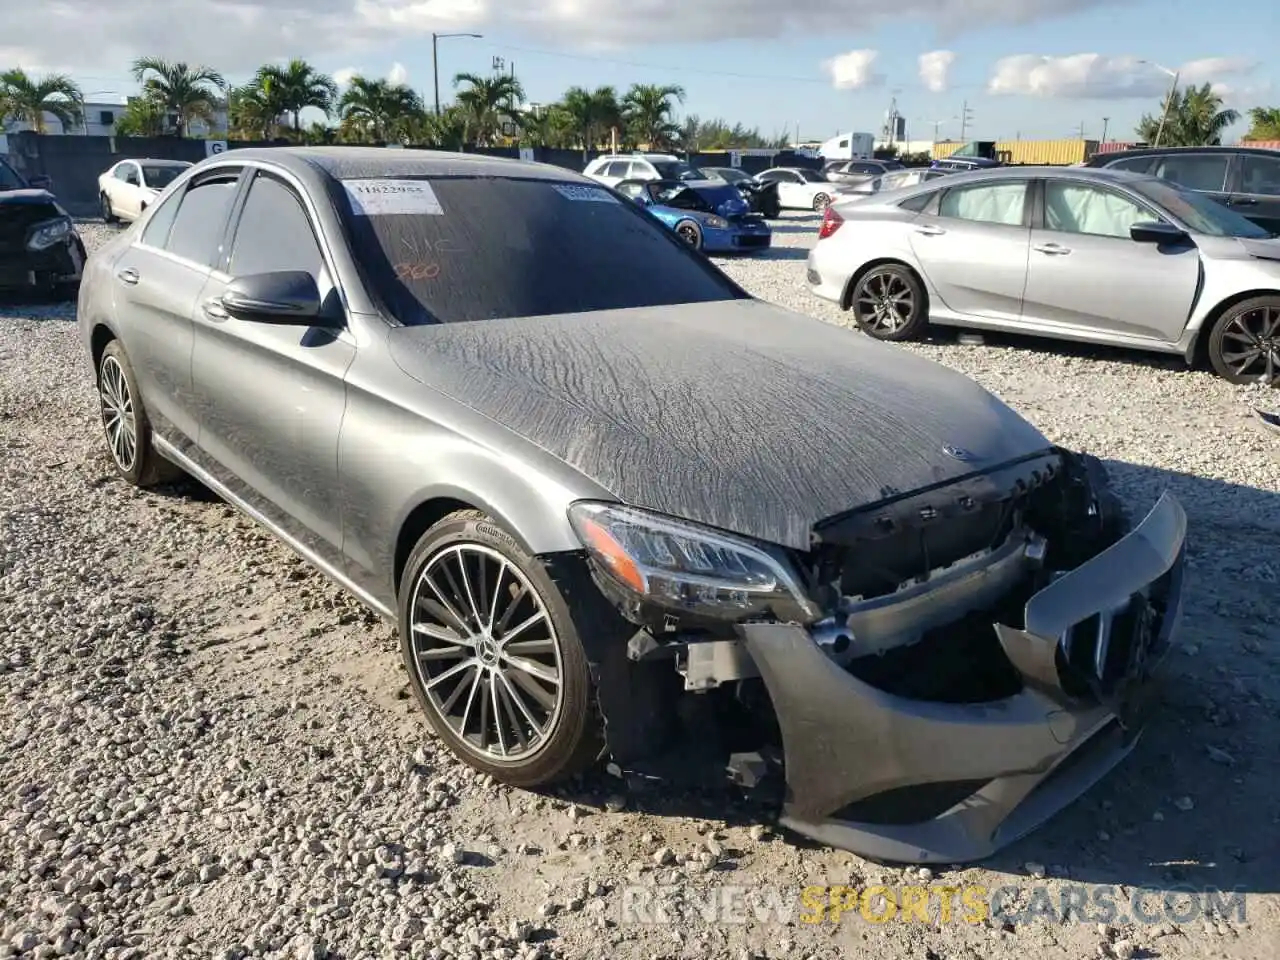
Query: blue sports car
[[708, 215]]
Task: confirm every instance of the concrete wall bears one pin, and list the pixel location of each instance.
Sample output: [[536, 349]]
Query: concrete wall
[[75, 163]]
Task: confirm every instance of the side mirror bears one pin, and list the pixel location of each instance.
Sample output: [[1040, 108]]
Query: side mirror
[[41, 182], [287, 297], [1152, 232]]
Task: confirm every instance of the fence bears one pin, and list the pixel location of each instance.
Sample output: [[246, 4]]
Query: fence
[[74, 163]]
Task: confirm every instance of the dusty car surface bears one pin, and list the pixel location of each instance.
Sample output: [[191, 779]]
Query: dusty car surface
[[593, 481]]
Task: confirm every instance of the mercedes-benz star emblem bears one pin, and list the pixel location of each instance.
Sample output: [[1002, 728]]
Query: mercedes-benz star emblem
[[957, 453]]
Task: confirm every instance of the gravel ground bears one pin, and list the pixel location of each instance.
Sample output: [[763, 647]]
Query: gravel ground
[[208, 751]]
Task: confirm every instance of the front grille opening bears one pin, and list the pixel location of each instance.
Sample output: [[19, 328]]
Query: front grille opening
[[903, 806], [961, 662]]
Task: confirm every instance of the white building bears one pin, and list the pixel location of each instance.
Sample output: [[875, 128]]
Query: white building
[[100, 118]]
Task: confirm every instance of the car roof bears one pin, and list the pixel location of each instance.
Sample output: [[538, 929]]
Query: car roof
[[1020, 172], [313, 165], [1145, 151], [155, 161]]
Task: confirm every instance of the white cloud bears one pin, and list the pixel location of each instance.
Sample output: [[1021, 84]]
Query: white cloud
[[1098, 77], [236, 36], [853, 70], [344, 76], [398, 75], [935, 69]]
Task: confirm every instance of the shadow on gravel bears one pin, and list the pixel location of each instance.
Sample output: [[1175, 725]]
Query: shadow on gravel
[[60, 297], [1032, 345], [782, 253]]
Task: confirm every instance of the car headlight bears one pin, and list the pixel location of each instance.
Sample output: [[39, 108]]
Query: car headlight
[[714, 222], [682, 566], [45, 235]]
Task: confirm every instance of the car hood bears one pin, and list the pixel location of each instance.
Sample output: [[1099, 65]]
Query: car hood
[[1238, 248], [26, 196], [736, 414]]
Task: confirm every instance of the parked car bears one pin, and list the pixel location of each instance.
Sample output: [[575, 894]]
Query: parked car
[[589, 477], [762, 196], [705, 214], [954, 164], [40, 250], [802, 189], [1247, 179], [128, 187], [893, 180], [859, 171], [614, 168], [1102, 256]]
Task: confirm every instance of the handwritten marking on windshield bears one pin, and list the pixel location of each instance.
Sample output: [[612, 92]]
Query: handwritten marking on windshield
[[417, 270]]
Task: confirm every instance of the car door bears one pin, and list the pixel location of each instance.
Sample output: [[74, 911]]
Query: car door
[[272, 395], [158, 281], [130, 189], [1256, 193], [1087, 275], [972, 245], [1202, 172], [791, 190]]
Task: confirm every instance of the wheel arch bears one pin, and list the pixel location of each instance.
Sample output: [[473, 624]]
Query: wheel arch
[[99, 337], [1198, 349], [846, 298]]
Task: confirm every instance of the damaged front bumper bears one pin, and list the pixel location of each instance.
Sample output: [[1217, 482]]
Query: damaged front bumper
[[901, 779]]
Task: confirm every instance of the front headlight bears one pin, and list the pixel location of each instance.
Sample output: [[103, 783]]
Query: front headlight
[[683, 566], [715, 223], [45, 235]]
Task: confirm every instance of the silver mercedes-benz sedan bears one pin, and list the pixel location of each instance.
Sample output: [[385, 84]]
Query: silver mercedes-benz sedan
[[1102, 256], [614, 504]]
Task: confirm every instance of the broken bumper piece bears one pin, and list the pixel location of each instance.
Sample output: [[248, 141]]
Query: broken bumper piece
[[916, 781]]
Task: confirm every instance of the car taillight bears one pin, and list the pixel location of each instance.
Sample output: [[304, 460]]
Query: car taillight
[[831, 222]]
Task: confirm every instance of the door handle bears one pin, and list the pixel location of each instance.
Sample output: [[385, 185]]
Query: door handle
[[214, 310], [1053, 249], [128, 275], [930, 231], [1243, 202]]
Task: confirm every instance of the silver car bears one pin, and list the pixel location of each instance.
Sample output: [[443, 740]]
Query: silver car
[[614, 504], [1083, 254]]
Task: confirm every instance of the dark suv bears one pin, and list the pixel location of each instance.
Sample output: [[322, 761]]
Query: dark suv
[[1247, 179], [39, 247]]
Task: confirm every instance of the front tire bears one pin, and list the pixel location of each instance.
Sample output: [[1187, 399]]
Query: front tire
[[888, 303], [125, 423], [690, 233], [493, 654], [1244, 344], [108, 214]]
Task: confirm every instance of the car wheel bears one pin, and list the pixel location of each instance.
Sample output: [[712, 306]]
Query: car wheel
[[690, 233], [1244, 344], [108, 215], [493, 654], [821, 202], [125, 424], [888, 303]]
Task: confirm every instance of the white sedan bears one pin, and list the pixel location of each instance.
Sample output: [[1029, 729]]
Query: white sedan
[[802, 189], [126, 189]]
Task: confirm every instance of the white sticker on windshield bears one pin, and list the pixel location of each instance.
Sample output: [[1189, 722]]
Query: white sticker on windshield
[[574, 191], [372, 198]]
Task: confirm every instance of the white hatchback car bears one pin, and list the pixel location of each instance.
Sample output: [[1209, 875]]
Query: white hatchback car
[[126, 189], [612, 169]]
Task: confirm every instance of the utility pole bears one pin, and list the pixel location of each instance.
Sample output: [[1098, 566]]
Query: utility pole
[[435, 63], [966, 115], [1105, 122]]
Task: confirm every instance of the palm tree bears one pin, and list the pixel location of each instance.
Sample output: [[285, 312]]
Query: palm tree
[[1196, 118], [594, 113], [550, 126], [1265, 124], [296, 87], [254, 110], [190, 93], [378, 109], [648, 110], [142, 117], [25, 99], [485, 99]]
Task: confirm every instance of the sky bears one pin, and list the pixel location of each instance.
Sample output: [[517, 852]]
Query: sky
[[1029, 69]]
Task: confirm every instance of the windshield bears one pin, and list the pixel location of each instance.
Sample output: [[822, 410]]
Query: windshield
[[1201, 213], [812, 176], [9, 179], [457, 249], [731, 175], [160, 176], [676, 170]]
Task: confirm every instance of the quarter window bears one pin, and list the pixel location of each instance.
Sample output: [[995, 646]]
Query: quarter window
[[197, 230], [1132, 164], [274, 233], [1000, 203], [1205, 171], [918, 202], [1079, 208], [1260, 175]]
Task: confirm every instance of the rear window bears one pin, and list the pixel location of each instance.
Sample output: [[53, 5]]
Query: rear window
[[160, 176], [459, 249]]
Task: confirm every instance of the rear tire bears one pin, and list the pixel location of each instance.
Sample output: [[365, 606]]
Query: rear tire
[[1243, 337], [888, 303], [108, 214], [821, 202], [463, 658], [125, 423]]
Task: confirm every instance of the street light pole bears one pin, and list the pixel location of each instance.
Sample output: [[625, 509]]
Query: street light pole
[[435, 63], [1168, 102]]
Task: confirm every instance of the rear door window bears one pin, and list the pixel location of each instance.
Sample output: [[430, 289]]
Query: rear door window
[[198, 228], [1195, 171], [1260, 175]]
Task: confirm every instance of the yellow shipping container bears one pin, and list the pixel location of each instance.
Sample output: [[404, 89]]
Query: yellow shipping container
[[1051, 152], [945, 148]]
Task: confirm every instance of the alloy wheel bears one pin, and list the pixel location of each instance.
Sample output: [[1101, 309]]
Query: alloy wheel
[[885, 301], [688, 233], [821, 202], [486, 652], [1251, 344], [118, 417]]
